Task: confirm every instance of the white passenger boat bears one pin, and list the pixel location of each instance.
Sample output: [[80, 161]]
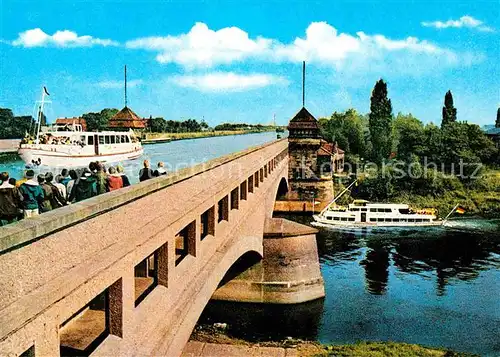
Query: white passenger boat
[[362, 213], [70, 146]]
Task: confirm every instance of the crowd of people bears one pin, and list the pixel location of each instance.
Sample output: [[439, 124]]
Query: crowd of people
[[31, 196]]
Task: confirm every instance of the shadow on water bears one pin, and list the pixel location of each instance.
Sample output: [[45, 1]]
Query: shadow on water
[[262, 322]]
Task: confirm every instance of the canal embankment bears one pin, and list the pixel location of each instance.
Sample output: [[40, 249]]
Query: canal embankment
[[8, 146], [209, 341]]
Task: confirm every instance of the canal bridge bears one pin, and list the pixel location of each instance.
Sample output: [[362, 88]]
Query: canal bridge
[[129, 272]]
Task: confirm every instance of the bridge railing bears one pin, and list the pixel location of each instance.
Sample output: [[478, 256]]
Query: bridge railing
[[69, 269]]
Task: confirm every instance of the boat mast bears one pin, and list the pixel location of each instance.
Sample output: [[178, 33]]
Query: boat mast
[[336, 198], [40, 116]]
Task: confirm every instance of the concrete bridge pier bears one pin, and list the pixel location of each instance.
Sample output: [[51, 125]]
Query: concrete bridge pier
[[289, 272]]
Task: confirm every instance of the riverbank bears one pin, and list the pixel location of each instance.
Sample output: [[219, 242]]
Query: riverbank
[[197, 135], [208, 340]]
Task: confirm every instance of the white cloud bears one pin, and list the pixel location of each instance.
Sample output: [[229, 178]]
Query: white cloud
[[119, 84], [65, 38], [464, 21], [322, 43], [202, 46], [228, 81]]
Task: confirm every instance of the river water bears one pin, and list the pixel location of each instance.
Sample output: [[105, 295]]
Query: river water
[[436, 287]]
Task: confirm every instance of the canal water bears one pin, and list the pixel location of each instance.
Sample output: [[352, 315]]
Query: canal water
[[175, 155], [437, 287]]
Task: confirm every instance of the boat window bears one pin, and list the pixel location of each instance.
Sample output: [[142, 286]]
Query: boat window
[[90, 140], [122, 138], [336, 218], [118, 139], [403, 219], [343, 218], [395, 219], [388, 219], [373, 210], [101, 139], [364, 209], [404, 211], [127, 139], [418, 220], [354, 209], [373, 220], [351, 219], [388, 210], [106, 139], [112, 138], [329, 218], [411, 220]]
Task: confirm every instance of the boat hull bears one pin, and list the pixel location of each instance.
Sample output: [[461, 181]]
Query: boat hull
[[61, 159], [318, 220]]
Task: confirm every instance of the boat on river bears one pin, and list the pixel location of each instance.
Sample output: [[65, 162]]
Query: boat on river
[[70, 146], [362, 213]]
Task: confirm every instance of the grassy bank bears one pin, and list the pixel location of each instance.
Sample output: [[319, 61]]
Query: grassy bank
[[210, 334], [197, 135]]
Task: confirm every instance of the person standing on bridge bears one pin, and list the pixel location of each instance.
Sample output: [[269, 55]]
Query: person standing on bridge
[[32, 195], [101, 179], [146, 173], [10, 201], [84, 187], [125, 179], [114, 180], [161, 170]]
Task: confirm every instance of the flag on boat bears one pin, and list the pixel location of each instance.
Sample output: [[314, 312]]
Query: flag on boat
[[460, 210], [317, 202], [45, 90]]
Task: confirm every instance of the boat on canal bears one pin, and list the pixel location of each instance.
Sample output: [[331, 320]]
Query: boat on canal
[[362, 213], [70, 146]]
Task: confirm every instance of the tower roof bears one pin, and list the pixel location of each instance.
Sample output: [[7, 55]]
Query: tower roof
[[126, 118], [303, 120]]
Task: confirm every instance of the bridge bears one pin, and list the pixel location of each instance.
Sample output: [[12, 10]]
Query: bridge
[[130, 272]]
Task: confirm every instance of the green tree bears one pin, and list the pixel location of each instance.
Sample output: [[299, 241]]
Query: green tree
[[347, 130], [158, 125], [497, 122], [449, 111], [380, 122], [108, 113], [14, 127], [432, 143], [99, 121], [409, 136]]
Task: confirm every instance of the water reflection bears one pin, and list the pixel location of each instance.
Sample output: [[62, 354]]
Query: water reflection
[[261, 322], [376, 264], [451, 254]]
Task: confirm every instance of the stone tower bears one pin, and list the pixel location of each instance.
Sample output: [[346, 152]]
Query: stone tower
[[309, 176]]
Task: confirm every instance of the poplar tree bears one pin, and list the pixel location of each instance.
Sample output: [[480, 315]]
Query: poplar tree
[[380, 122], [449, 111], [497, 123]]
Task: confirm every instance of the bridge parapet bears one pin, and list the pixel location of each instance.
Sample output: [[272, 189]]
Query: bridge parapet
[[130, 271]]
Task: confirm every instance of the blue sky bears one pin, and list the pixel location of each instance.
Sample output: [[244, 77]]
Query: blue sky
[[240, 61]]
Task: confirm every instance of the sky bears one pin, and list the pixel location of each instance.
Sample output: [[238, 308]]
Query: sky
[[241, 61]]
